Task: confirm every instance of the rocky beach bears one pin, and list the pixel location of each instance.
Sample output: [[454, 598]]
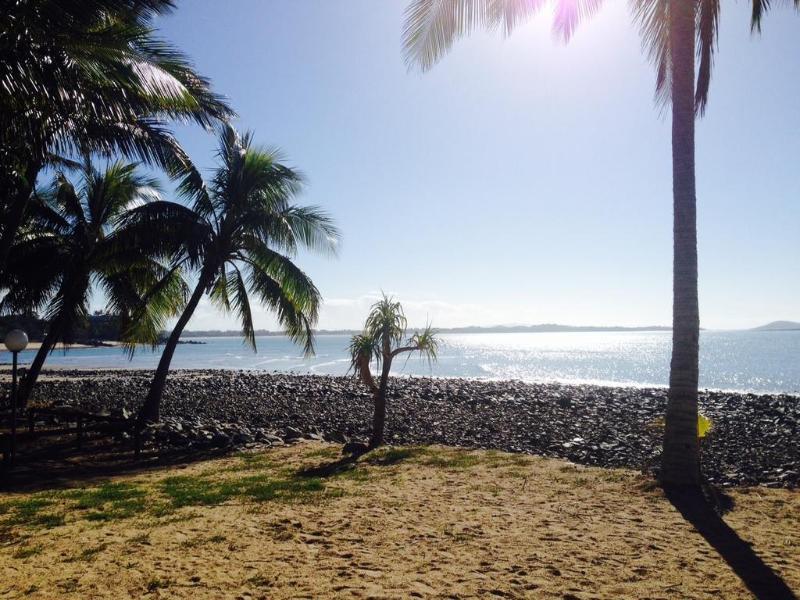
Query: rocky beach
[[753, 439]]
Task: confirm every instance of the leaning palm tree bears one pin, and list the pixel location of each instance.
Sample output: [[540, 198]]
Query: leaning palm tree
[[74, 244], [382, 341], [80, 76], [673, 32], [239, 235]]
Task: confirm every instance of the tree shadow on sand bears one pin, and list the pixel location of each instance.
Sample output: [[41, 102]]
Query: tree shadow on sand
[[386, 456], [59, 464], [703, 510]]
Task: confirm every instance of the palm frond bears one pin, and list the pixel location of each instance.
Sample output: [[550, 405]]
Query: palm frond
[[426, 343], [760, 8], [432, 26], [294, 319], [364, 348], [707, 34], [387, 322], [653, 18], [240, 303]]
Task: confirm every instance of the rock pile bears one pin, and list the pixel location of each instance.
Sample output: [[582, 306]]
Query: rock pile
[[753, 440]]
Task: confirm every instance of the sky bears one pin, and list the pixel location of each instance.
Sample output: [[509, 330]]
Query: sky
[[522, 180]]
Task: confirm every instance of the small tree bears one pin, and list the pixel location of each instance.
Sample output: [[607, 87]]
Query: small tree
[[382, 340]]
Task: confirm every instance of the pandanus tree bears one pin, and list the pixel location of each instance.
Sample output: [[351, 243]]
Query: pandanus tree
[[239, 236], [384, 338], [74, 245], [674, 33], [89, 76]]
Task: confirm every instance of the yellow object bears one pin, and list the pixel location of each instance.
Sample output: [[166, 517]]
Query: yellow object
[[703, 425]]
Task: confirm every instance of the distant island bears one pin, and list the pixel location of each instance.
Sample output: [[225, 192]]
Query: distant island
[[544, 328], [779, 326]]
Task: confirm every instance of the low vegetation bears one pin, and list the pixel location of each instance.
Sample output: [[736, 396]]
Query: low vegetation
[[304, 520]]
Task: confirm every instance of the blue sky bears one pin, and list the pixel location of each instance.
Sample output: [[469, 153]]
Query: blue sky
[[522, 180]]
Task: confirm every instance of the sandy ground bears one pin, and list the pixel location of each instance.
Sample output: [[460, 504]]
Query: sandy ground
[[424, 523], [36, 345]]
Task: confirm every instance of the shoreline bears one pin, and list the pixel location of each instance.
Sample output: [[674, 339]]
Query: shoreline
[[752, 442], [58, 371], [64, 347]]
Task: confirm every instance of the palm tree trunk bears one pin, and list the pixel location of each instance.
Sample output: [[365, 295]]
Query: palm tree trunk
[[32, 373], [681, 458], [151, 409], [379, 417]]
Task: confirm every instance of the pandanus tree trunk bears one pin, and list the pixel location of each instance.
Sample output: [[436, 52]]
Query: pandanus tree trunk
[[681, 458], [151, 409], [379, 417], [32, 373]]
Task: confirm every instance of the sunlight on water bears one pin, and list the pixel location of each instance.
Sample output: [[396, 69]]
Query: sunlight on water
[[752, 361]]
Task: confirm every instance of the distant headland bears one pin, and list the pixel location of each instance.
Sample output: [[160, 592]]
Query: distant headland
[[779, 326], [543, 328]]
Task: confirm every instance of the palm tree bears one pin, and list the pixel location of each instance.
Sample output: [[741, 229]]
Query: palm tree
[[382, 340], [240, 236], [74, 243], [82, 76], [674, 32]]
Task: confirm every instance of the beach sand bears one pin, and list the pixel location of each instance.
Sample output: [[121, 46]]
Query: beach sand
[[425, 523], [59, 346]]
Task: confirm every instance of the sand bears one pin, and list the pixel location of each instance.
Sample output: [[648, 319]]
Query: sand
[[429, 523]]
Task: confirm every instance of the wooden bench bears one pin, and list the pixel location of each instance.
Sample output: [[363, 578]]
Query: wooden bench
[[84, 422]]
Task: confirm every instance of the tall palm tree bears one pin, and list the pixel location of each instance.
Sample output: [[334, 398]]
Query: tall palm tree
[[383, 340], [674, 32], [75, 243], [240, 236], [80, 76]]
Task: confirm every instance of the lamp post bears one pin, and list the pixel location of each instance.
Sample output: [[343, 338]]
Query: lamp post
[[16, 341]]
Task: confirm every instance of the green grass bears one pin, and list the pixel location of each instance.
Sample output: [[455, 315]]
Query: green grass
[[331, 453], [442, 458], [202, 490], [451, 460], [253, 477], [391, 456], [30, 512], [109, 502]]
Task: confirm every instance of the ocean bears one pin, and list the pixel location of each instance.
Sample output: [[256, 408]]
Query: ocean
[[750, 361]]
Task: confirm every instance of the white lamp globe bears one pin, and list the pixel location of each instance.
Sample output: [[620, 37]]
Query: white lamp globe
[[16, 340]]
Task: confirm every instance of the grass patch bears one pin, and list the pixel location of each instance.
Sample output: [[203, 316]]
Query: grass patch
[[443, 459], [185, 490], [324, 453], [204, 491], [391, 456], [30, 512], [27, 552], [451, 460], [88, 554], [250, 461], [110, 501]]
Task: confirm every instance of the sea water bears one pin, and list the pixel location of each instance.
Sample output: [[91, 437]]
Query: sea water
[[766, 361]]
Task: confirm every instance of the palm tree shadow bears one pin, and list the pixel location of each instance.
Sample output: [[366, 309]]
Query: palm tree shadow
[[703, 511], [385, 457], [332, 469]]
